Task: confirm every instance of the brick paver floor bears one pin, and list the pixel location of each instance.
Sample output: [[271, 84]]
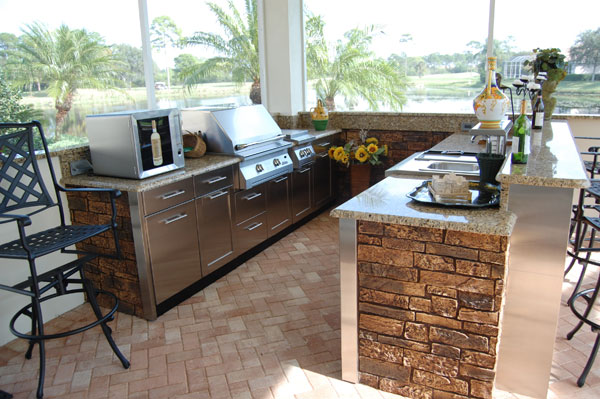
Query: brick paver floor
[[269, 329]]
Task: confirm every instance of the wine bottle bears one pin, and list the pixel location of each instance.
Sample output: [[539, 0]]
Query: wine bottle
[[157, 158], [537, 117], [521, 143]]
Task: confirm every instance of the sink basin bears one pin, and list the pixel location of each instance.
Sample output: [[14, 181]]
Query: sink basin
[[461, 167]]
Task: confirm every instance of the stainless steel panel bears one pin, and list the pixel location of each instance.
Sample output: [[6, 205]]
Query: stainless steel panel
[[301, 193], [264, 167], [142, 255], [533, 291], [279, 211], [322, 180], [213, 181], [349, 300], [173, 246], [249, 203], [251, 233], [215, 232], [166, 196]]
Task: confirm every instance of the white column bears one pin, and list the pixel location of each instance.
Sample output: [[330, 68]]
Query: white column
[[281, 55], [147, 53]]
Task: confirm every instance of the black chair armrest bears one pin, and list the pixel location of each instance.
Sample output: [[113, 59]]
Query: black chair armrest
[[23, 220], [112, 191]]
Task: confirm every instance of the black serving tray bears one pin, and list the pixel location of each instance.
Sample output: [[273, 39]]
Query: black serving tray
[[482, 196]]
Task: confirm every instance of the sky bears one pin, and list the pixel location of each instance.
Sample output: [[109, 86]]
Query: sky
[[442, 26]]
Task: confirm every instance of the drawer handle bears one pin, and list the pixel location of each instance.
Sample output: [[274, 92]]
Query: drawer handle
[[323, 155], [215, 179], [324, 144], [172, 194], [174, 218], [254, 226], [252, 196], [281, 179], [217, 195], [303, 170]]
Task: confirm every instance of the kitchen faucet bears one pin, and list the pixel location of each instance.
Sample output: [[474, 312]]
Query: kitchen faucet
[[488, 141]]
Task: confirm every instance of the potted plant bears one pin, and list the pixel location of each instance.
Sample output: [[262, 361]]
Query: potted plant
[[359, 157], [552, 62]]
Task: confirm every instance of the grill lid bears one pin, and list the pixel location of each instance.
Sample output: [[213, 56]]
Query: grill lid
[[244, 131]]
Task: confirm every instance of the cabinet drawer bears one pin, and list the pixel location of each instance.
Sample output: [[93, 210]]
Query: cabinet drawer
[[251, 233], [249, 203], [166, 196], [213, 181]]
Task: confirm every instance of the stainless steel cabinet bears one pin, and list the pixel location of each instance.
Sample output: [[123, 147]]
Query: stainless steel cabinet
[[301, 193], [214, 230], [250, 218], [173, 248], [279, 212], [213, 209], [322, 173]]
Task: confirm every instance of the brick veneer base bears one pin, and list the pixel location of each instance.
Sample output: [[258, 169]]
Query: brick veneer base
[[430, 301], [118, 276]]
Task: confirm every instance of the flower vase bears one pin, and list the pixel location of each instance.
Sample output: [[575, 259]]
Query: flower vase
[[491, 104], [360, 178]]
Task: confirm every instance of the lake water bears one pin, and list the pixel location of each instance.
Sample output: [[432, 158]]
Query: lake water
[[75, 120]]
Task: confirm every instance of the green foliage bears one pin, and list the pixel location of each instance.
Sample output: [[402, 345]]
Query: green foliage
[[586, 50], [549, 60], [11, 110], [132, 72], [238, 46], [351, 69], [67, 59]]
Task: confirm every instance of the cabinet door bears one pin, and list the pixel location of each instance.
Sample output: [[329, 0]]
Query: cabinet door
[[173, 247], [322, 180], [214, 230], [301, 193], [279, 213]]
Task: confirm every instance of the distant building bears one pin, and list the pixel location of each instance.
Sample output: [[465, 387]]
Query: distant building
[[514, 68]]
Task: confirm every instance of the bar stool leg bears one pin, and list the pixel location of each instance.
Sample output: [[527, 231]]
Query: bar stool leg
[[40, 328], [584, 265], [588, 309], [91, 294], [590, 362]]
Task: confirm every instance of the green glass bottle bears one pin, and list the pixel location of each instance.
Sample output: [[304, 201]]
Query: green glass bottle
[[521, 144]]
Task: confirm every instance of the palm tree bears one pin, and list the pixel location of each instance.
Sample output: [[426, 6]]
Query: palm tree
[[238, 47], [68, 60], [165, 34], [351, 70]]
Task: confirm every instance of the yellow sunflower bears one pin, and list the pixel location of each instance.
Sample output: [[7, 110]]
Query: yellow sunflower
[[372, 140], [372, 148], [345, 159], [338, 153], [331, 151], [361, 155]]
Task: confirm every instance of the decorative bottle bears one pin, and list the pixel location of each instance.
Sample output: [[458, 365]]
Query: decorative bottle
[[157, 158], [521, 144], [491, 104], [537, 112]]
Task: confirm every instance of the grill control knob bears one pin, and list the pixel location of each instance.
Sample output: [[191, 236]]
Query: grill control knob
[[276, 162], [259, 168]]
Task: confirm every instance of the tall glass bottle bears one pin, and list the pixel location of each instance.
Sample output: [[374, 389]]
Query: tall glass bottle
[[537, 112], [157, 158], [521, 143]]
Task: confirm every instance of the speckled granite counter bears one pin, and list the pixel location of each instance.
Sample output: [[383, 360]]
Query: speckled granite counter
[[193, 166], [387, 202]]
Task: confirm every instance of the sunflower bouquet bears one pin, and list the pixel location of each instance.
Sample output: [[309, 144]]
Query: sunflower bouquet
[[367, 151]]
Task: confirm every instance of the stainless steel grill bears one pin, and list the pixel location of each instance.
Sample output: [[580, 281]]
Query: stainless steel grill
[[248, 132], [302, 153]]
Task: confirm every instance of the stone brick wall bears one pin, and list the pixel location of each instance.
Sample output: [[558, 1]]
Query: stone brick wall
[[119, 277], [429, 307]]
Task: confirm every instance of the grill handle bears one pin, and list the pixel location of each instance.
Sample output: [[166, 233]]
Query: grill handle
[[242, 146]]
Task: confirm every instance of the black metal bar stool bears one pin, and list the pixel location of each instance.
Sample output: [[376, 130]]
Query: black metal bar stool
[[22, 195]]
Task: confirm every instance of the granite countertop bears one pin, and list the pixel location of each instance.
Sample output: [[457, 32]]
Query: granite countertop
[[387, 202], [193, 166], [554, 161]]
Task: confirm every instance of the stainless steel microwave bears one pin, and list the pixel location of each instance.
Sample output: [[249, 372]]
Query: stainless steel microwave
[[135, 144]]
